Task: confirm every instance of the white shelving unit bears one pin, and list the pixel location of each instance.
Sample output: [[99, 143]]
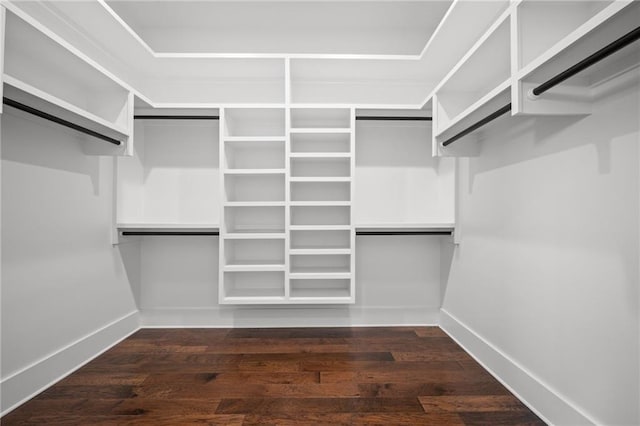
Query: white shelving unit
[[286, 205], [253, 210], [70, 88]]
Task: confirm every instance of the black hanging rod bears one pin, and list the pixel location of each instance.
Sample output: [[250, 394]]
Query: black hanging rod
[[170, 233], [505, 109], [403, 232], [609, 49], [391, 118], [58, 120], [176, 117]]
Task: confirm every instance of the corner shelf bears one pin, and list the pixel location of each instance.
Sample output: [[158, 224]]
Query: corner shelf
[[24, 93], [43, 72], [568, 42], [479, 82]]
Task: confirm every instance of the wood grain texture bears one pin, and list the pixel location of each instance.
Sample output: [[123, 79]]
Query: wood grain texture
[[285, 376]]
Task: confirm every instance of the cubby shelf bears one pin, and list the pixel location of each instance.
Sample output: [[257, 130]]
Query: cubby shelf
[[253, 235], [232, 139], [319, 179], [320, 155], [316, 251], [254, 203], [320, 227], [319, 275], [320, 203]]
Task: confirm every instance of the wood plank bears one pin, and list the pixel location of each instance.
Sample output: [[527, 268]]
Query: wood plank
[[318, 405], [404, 390], [410, 376], [159, 408], [345, 419], [498, 418], [430, 332], [431, 355], [388, 366], [471, 403]]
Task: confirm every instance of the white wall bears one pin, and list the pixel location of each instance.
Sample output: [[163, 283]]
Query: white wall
[[397, 282], [65, 293], [397, 180], [547, 269]]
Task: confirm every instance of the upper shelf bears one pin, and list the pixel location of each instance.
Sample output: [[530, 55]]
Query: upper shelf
[[474, 86], [42, 72], [603, 23], [531, 43]]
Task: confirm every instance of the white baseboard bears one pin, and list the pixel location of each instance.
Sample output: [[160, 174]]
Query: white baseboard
[[23, 385], [539, 397], [308, 316]]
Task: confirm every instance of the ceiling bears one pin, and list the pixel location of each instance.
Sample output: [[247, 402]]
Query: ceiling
[[283, 27]]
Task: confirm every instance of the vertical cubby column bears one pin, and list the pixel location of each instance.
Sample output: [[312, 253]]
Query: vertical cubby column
[[321, 227], [253, 235]]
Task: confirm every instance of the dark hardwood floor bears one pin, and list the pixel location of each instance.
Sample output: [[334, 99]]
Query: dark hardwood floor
[[386, 376]]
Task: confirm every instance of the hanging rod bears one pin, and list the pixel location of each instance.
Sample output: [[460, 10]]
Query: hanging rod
[[176, 117], [170, 233], [58, 120], [505, 109], [403, 232], [609, 49], [391, 118]]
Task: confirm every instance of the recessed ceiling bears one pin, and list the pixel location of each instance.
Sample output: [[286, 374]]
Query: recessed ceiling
[[284, 27]]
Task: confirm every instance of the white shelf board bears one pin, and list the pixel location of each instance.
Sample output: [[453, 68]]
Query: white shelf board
[[254, 171], [254, 204], [319, 275], [253, 300], [435, 226], [320, 130], [321, 297], [24, 93], [320, 179], [254, 235], [254, 268], [320, 227], [320, 203], [254, 138], [321, 155], [319, 251]]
